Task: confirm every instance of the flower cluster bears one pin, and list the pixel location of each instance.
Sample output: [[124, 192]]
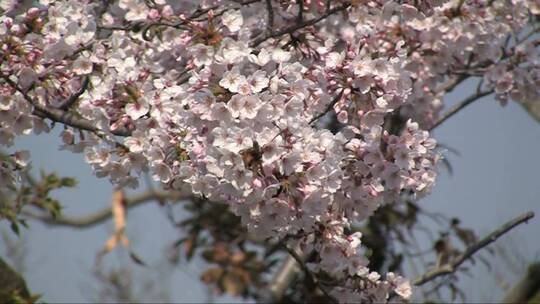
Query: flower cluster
[[228, 100]]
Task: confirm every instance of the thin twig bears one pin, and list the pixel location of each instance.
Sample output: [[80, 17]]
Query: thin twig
[[298, 26], [459, 107], [104, 214], [451, 84], [327, 109], [198, 13], [453, 265]]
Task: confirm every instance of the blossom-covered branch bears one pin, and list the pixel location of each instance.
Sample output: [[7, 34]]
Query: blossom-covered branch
[[220, 97], [61, 115], [299, 25]]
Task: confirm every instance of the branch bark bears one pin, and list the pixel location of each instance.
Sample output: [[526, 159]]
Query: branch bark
[[301, 261], [280, 282], [290, 268], [73, 98], [453, 265], [100, 216], [270, 12]]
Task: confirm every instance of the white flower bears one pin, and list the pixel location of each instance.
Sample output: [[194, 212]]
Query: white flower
[[135, 144], [236, 105], [244, 107], [258, 81], [239, 139], [363, 83], [232, 51], [22, 125], [402, 285], [361, 66], [290, 163], [27, 77], [261, 59], [334, 59], [56, 51], [233, 20], [280, 56], [244, 88], [251, 107], [21, 158], [68, 137], [202, 54], [82, 66], [161, 172], [135, 11], [137, 109], [403, 158], [231, 80]]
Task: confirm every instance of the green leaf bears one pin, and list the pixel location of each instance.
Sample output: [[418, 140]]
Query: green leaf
[[15, 228], [12, 286], [68, 182]]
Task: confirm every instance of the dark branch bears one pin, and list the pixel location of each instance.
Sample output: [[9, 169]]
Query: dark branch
[[73, 98], [451, 84], [308, 272], [298, 26], [459, 107], [300, 16], [453, 265], [270, 12], [280, 282], [328, 108]]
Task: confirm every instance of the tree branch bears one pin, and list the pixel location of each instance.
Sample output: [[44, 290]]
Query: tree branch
[[308, 273], [62, 116], [451, 84], [459, 107], [100, 216], [453, 265], [178, 25], [327, 109], [298, 26], [73, 98], [270, 12], [300, 16], [280, 282], [291, 266]]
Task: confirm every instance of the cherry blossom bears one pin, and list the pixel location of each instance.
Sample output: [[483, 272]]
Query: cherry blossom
[[219, 98]]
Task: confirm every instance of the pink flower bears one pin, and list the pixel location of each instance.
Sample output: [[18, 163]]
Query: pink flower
[[137, 109]]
